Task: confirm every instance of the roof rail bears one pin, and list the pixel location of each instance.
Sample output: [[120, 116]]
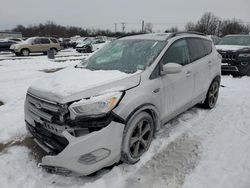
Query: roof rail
[[184, 32], [129, 34]]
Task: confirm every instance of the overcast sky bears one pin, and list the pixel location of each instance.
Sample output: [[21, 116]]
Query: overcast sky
[[104, 13]]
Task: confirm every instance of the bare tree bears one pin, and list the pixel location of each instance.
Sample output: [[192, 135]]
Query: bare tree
[[208, 24], [190, 26], [148, 28], [233, 27], [172, 30]]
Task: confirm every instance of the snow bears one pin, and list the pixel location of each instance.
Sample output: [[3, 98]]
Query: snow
[[230, 47], [198, 149], [63, 86]]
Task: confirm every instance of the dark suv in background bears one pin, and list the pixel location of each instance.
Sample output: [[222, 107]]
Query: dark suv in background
[[235, 52]]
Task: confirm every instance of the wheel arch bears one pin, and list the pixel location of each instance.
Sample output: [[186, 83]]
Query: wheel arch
[[150, 109], [217, 77]]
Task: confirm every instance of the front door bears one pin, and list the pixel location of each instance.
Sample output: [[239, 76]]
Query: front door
[[177, 88]]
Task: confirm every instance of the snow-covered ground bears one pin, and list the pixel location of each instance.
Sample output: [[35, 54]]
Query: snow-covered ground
[[198, 149]]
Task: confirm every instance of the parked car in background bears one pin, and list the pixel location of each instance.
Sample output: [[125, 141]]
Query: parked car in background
[[108, 108], [36, 45], [235, 52], [5, 44], [215, 39], [91, 45], [64, 43], [76, 40], [18, 40]]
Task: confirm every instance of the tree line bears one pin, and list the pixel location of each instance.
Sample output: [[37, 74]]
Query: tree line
[[208, 24], [51, 29], [212, 25]]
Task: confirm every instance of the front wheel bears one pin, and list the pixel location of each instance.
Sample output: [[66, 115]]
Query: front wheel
[[212, 95], [25, 52], [137, 137]]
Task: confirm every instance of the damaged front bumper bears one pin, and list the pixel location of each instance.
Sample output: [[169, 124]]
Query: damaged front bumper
[[81, 155]]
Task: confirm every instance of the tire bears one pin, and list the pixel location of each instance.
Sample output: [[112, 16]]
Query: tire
[[88, 49], [212, 95], [25, 52], [137, 137]]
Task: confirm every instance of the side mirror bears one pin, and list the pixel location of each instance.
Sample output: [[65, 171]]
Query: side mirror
[[171, 68]]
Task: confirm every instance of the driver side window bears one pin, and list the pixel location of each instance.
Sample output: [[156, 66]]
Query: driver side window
[[177, 53], [37, 41]]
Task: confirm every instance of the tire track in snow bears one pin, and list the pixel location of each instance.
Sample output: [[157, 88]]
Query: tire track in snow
[[169, 167]]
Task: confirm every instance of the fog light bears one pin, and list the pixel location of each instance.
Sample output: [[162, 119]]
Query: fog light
[[95, 156]]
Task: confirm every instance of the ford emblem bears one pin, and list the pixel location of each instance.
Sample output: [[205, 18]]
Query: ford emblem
[[38, 105]]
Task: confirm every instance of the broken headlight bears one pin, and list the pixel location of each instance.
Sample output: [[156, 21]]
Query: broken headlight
[[95, 106]]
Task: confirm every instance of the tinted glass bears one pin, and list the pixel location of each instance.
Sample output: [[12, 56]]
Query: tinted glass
[[239, 40], [177, 53], [208, 45], [126, 55], [199, 48], [54, 40], [37, 41], [45, 41]]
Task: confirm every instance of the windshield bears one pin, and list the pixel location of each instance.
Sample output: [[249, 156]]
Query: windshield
[[126, 55], [235, 40]]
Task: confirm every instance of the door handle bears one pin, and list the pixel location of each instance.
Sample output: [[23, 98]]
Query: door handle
[[209, 63], [188, 73]]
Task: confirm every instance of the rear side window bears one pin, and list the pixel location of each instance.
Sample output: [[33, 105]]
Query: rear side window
[[199, 48], [54, 40], [37, 41], [45, 41], [177, 53], [208, 45]]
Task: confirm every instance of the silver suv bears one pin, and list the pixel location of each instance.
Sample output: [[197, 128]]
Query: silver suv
[[108, 108]]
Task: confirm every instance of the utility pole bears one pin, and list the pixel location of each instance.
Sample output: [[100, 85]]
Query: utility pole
[[142, 26], [123, 27], [115, 27]]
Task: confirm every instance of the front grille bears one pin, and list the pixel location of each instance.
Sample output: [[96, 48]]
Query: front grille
[[44, 110], [229, 57], [54, 142]]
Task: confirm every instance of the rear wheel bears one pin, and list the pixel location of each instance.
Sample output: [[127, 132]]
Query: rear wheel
[[137, 137], [212, 95], [25, 52]]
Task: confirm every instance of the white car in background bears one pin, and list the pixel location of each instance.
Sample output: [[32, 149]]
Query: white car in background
[[91, 45]]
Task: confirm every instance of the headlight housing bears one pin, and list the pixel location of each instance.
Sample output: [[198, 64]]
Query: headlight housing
[[245, 55], [95, 106]]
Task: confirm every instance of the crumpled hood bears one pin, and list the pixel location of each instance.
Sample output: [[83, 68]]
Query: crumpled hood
[[231, 47], [75, 83]]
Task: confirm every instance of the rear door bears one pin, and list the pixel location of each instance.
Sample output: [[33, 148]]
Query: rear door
[[177, 88], [200, 58], [35, 45], [45, 44]]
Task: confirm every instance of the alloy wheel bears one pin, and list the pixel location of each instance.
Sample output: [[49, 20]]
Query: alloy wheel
[[140, 138], [213, 94]]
